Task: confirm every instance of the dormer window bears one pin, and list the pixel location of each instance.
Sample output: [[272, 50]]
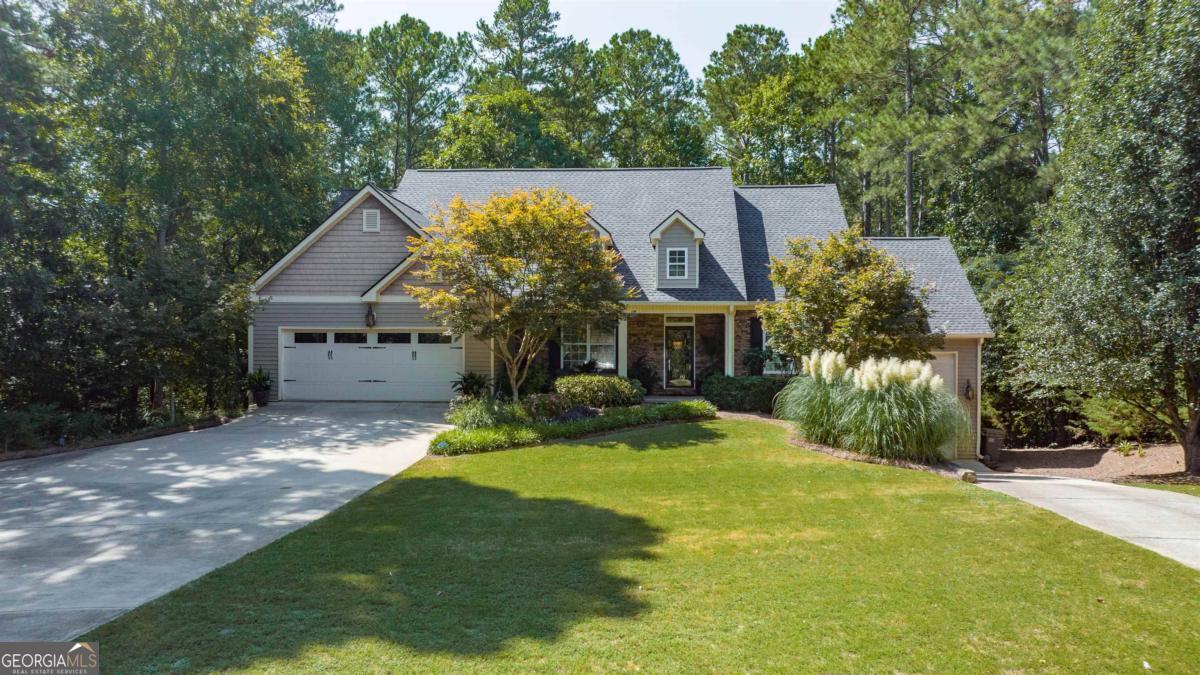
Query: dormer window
[[677, 263], [370, 220]]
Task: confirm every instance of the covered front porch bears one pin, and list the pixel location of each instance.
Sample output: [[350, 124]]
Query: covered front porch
[[676, 348]]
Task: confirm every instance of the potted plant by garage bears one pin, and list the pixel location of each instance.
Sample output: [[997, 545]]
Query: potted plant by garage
[[259, 383]]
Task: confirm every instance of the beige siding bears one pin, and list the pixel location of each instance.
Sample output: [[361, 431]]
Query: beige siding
[[968, 371], [678, 236], [271, 316], [346, 260], [479, 357]]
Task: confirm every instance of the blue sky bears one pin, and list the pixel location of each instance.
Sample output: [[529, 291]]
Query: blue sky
[[695, 27]]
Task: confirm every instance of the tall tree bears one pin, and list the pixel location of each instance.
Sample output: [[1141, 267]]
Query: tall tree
[[414, 69], [573, 96], [656, 120], [1112, 302], [336, 74], [203, 160], [519, 45], [751, 56], [501, 130]]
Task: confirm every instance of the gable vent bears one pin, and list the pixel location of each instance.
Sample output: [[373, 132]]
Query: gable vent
[[370, 220]]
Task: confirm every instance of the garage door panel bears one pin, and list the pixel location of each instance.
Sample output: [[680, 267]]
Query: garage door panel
[[374, 371]]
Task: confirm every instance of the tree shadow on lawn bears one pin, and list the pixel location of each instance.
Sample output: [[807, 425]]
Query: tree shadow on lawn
[[665, 436], [438, 565]]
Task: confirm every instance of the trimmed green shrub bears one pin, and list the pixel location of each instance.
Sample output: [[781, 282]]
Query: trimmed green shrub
[[886, 408], [599, 391], [468, 441], [754, 393], [485, 412]]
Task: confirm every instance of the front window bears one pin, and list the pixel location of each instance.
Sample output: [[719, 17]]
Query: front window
[[677, 263], [589, 343]]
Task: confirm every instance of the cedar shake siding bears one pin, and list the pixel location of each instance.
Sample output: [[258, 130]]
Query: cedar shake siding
[[346, 261]]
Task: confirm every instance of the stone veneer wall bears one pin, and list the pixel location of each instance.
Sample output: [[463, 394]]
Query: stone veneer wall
[[710, 345], [741, 339], [645, 333]]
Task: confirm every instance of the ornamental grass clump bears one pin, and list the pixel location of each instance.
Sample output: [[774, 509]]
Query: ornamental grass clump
[[883, 407], [810, 400]]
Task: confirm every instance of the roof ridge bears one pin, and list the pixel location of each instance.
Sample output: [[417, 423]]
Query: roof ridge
[[581, 168], [784, 185], [928, 237]]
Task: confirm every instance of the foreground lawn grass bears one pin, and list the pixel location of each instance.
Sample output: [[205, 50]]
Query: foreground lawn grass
[[709, 546]]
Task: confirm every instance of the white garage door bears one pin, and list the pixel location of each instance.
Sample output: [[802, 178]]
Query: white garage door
[[369, 366]]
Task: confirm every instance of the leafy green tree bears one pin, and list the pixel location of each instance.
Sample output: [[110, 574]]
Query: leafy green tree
[[752, 100], [515, 270], [203, 155], [501, 130], [519, 46], [336, 73], [656, 120], [414, 69], [844, 295], [573, 94], [1111, 302]]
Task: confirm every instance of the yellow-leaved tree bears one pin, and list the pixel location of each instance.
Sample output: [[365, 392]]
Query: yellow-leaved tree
[[844, 295], [514, 270]]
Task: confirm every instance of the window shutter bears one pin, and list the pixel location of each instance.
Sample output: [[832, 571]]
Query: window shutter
[[756, 333], [370, 220]]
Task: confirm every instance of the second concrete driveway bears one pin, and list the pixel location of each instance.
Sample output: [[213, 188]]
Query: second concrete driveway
[[86, 536], [1165, 522]]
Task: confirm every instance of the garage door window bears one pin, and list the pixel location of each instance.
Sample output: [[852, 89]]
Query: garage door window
[[395, 338], [311, 338], [433, 339], [350, 338]]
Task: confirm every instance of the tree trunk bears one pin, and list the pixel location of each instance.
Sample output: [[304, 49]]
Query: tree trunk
[[908, 155], [866, 204], [1191, 449]]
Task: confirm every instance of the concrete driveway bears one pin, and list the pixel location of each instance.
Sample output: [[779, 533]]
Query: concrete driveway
[[1167, 523], [88, 535]]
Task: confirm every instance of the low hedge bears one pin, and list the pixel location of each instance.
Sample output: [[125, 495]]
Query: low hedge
[[469, 441], [599, 391], [744, 394]]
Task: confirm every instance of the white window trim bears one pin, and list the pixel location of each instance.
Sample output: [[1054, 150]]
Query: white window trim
[[370, 213], [587, 333], [685, 263]]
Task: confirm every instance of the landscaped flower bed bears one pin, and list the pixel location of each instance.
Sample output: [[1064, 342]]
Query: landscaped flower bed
[[885, 408], [463, 441]]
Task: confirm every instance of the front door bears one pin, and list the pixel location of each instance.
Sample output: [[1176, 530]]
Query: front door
[[680, 356]]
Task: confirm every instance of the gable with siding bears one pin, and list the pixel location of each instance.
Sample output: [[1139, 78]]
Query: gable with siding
[[346, 260]]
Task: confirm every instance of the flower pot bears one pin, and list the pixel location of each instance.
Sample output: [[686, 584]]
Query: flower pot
[[261, 398]]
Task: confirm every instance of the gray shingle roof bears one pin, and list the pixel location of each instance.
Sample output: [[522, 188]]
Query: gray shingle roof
[[771, 215], [744, 227], [953, 307], [629, 203]]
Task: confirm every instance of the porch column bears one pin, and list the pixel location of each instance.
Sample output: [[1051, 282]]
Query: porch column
[[729, 316], [623, 347]]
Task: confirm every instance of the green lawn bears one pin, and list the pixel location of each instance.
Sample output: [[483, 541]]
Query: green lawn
[[1185, 488], [704, 546]]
